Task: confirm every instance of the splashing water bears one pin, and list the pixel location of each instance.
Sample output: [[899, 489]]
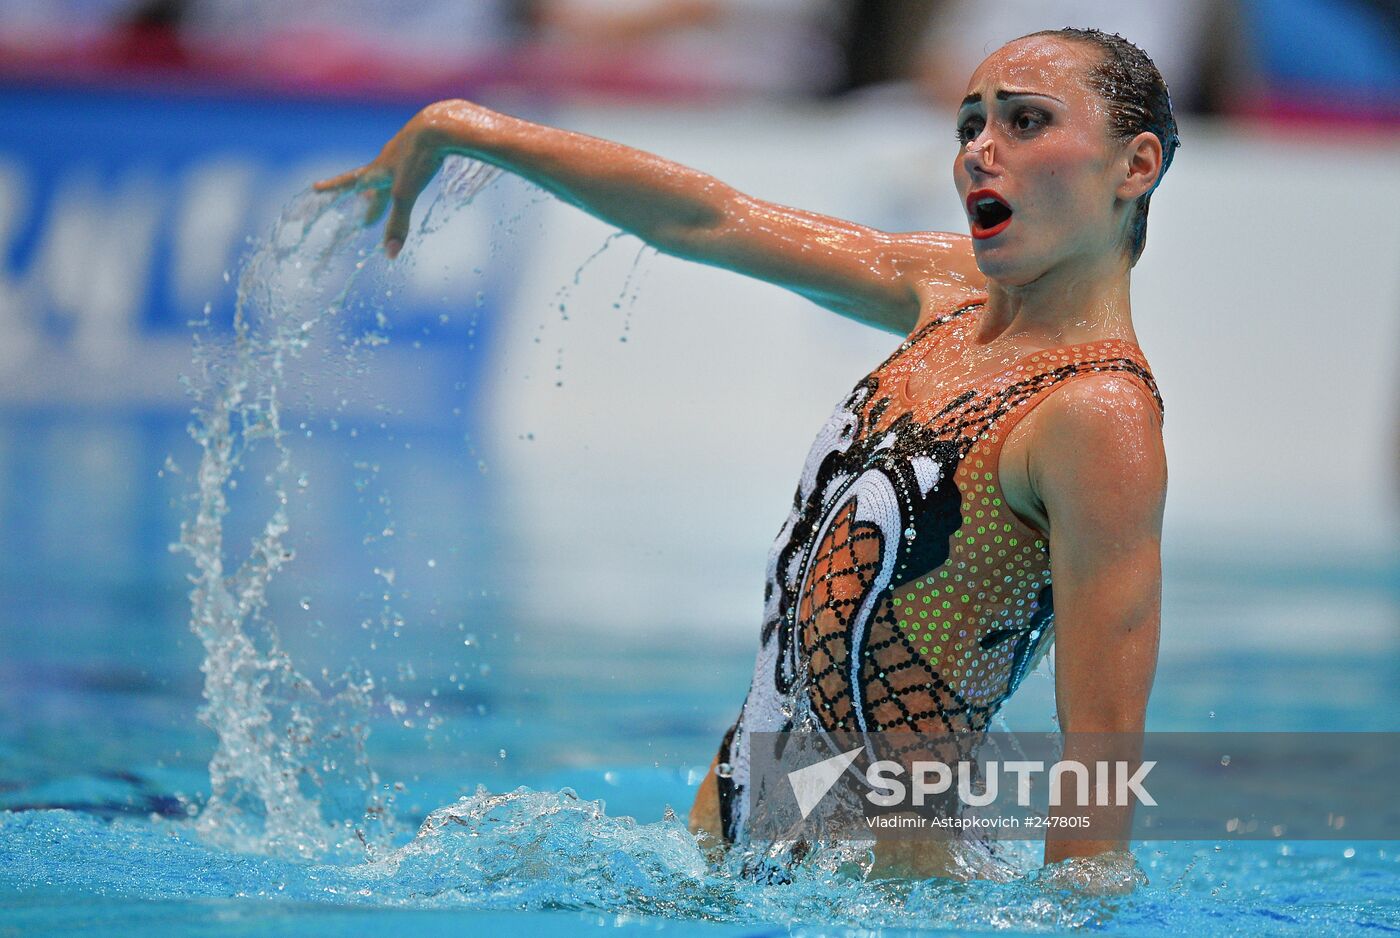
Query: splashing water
[[563, 295], [257, 798], [271, 721], [533, 851], [632, 287]]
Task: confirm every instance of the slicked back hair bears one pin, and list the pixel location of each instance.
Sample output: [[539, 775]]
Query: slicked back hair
[[1138, 101]]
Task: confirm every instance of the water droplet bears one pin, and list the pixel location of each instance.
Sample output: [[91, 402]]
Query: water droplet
[[724, 770], [305, 602]]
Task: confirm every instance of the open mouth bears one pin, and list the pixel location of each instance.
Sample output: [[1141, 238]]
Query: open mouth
[[989, 213]]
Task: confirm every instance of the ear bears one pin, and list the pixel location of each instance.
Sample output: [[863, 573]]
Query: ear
[[1143, 165]]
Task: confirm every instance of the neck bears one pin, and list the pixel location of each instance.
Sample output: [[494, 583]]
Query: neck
[[1064, 306]]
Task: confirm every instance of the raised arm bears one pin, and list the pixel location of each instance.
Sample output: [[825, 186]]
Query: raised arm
[[887, 280], [1099, 470]]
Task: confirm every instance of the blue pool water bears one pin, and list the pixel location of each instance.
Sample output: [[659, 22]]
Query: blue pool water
[[101, 754], [522, 769]]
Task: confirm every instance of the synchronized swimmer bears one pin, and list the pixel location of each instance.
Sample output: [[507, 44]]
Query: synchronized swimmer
[[1012, 440]]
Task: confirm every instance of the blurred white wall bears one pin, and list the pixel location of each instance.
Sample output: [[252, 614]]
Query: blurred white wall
[[645, 490]]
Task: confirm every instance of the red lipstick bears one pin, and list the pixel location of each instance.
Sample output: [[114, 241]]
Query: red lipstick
[[988, 212]]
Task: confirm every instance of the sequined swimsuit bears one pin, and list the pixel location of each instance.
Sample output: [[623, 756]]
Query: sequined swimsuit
[[902, 592]]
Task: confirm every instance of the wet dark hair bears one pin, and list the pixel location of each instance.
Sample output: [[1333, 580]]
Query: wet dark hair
[[1138, 102]]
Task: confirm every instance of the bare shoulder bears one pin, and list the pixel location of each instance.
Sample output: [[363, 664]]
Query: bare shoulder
[[1099, 434], [1101, 401]]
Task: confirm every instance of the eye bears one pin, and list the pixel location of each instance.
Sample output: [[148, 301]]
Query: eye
[[968, 129], [1028, 119]]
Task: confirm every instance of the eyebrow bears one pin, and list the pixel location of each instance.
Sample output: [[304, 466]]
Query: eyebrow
[[1004, 94]]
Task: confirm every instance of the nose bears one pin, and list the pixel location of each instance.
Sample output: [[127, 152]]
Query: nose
[[979, 155]]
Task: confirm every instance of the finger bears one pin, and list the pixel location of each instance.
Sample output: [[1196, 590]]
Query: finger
[[396, 231], [376, 201], [339, 182]]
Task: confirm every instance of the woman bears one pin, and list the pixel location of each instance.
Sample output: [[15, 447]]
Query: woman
[[1012, 440]]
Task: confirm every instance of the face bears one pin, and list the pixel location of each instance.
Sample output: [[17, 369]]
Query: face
[[1037, 171]]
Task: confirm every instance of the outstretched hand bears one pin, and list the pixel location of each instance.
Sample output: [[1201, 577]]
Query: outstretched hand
[[395, 178]]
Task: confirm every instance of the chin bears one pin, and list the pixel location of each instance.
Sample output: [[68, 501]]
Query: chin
[[1004, 266]]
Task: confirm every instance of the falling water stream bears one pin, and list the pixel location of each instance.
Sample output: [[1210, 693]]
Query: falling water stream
[[274, 726], [266, 715]]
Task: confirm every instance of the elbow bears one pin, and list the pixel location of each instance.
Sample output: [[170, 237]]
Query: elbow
[[702, 226], [718, 211]]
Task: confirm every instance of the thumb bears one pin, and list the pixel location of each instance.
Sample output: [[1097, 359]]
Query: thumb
[[408, 183]]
